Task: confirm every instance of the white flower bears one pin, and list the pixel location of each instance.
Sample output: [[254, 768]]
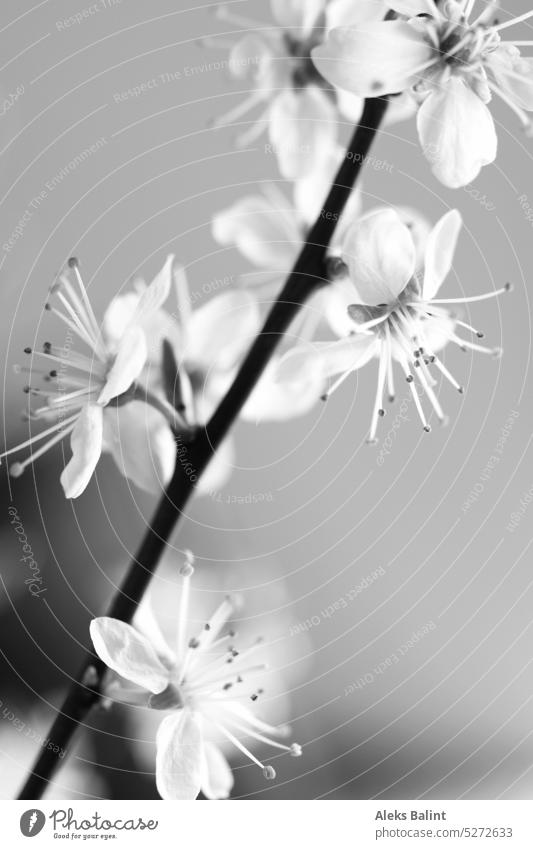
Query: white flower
[[395, 315], [299, 107], [202, 683], [452, 61], [95, 399]]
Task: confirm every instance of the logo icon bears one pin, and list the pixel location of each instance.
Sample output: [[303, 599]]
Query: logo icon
[[32, 822]]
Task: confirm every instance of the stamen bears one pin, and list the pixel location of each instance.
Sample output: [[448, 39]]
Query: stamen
[[186, 571], [414, 393], [377, 411], [16, 469], [242, 748], [475, 298], [482, 349], [39, 436]]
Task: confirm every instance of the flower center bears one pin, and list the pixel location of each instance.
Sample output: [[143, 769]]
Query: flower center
[[303, 70]]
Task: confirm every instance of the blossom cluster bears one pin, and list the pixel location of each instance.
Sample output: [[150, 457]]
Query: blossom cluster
[[137, 383]]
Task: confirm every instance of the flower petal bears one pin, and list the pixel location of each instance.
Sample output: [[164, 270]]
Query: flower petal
[[145, 622], [457, 133], [128, 653], [180, 755], [302, 125], [219, 332], [513, 73], [86, 445], [140, 440], [218, 777], [440, 248], [129, 362], [260, 232], [156, 293], [345, 13], [288, 392], [381, 257], [411, 8], [333, 358], [373, 59], [297, 16]]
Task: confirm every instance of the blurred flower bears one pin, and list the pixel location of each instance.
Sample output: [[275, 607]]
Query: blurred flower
[[20, 739], [451, 63], [395, 315], [96, 399], [300, 108], [203, 684]]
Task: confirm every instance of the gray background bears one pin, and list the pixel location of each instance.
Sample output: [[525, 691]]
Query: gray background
[[453, 718]]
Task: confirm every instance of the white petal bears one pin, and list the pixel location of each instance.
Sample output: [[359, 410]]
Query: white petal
[[128, 653], [218, 777], [381, 257], [345, 13], [180, 755], [284, 394], [260, 232], [513, 73], [118, 316], [140, 440], [156, 293], [373, 59], [297, 16], [145, 622], [457, 133], [337, 298], [302, 126], [127, 366], [333, 358], [350, 105], [440, 249], [411, 8], [219, 332], [86, 445], [157, 325], [249, 54]]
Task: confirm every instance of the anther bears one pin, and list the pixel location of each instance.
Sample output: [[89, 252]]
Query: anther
[[16, 469], [409, 378], [27, 350], [324, 397], [497, 353], [73, 262], [47, 306], [296, 750], [194, 643], [381, 412], [269, 772], [461, 390], [187, 568], [427, 428], [508, 287], [47, 347], [392, 399], [53, 373], [373, 441], [479, 334]]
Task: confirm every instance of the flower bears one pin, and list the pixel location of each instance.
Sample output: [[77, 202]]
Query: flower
[[394, 312], [299, 107], [96, 399], [203, 686], [452, 64]]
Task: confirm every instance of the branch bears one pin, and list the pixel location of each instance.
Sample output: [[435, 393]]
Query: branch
[[307, 277]]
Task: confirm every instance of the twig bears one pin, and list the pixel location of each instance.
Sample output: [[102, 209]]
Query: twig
[[308, 275]]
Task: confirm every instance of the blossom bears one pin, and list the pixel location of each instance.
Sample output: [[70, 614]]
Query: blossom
[[395, 314], [96, 399], [202, 684], [299, 107], [452, 60]]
